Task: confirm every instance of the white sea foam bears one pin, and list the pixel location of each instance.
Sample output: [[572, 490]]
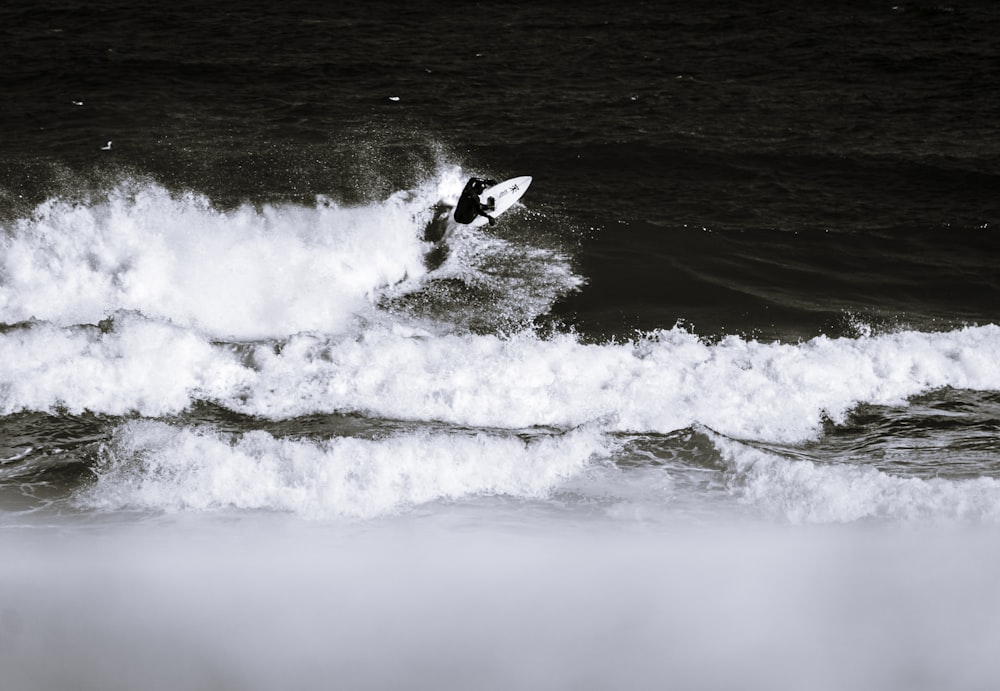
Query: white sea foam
[[802, 491], [244, 273], [662, 383], [143, 366], [151, 465], [252, 273], [666, 382]]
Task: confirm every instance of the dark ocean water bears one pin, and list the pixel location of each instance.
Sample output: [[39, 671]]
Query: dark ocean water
[[717, 406]]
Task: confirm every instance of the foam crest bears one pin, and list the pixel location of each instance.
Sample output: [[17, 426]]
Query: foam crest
[[151, 465], [141, 366], [802, 491], [245, 273], [661, 383]]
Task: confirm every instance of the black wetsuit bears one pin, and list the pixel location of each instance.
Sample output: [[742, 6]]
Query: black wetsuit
[[469, 206]]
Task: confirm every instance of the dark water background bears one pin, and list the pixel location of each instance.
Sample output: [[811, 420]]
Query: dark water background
[[747, 167], [754, 283]]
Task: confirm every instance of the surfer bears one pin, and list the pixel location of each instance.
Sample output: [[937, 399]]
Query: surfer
[[469, 206]]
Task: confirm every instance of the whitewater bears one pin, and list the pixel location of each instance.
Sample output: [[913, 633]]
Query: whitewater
[[140, 307]]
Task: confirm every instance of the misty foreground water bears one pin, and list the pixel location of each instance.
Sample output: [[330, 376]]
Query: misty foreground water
[[446, 600]]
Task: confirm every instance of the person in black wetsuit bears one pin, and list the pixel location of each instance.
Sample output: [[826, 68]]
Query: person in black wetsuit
[[469, 206]]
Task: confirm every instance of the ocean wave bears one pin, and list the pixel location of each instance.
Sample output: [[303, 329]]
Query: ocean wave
[[245, 273], [155, 466], [802, 491], [268, 271], [662, 382]]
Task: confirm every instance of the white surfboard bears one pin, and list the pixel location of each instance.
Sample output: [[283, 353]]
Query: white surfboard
[[504, 194]]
